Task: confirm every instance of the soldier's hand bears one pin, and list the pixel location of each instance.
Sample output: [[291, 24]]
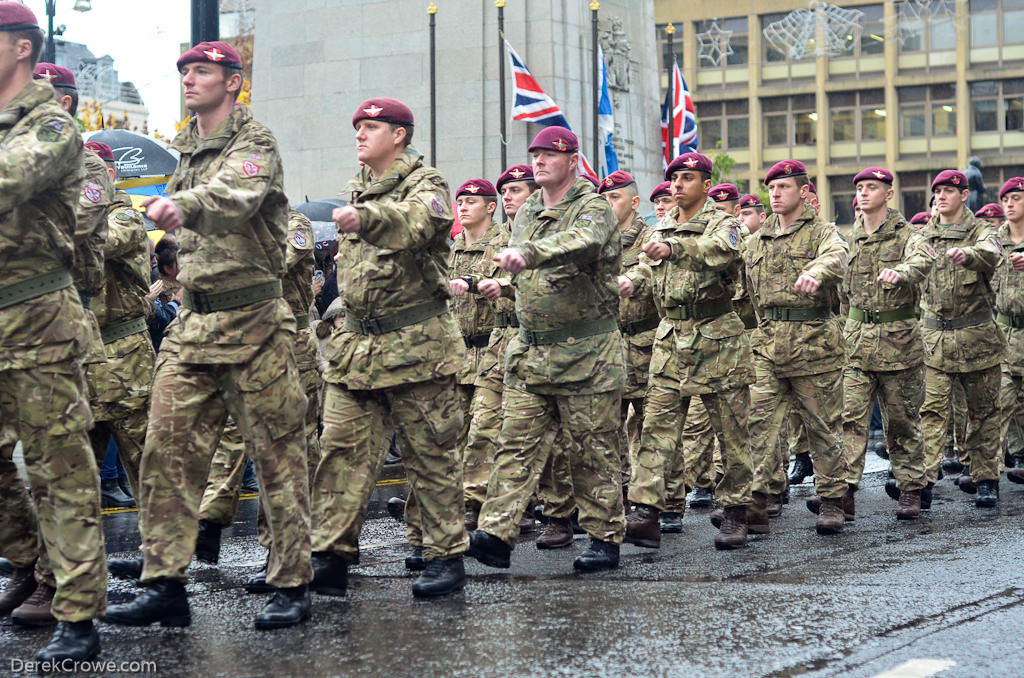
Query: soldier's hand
[[346, 219], [805, 284], [317, 286], [459, 286], [1017, 261], [657, 250], [956, 255], [489, 289], [889, 276], [625, 287], [511, 260], [163, 212], [155, 289], [177, 295]]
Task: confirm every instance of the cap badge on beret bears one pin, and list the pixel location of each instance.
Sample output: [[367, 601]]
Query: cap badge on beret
[[48, 75], [787, 168], [751, 201], [955, 180], [214, 54], [560, 144], [880, 174], [1020, 185], [373, 111], [517, 173], [691, 162], [473, 188], [608, 181], [722, 195]]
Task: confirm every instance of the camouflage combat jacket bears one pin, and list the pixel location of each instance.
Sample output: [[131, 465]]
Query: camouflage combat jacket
[[637, 310], [40, 179], [775, 258], [229, 188], [396, 262], [94, 203], [299, 265], [126, 267], [491, 368], [895, 344], [702, 354], [1009, 288], [573, 255], [474, 314], [962, 292]]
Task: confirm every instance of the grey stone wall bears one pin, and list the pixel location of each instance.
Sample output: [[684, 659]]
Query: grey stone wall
[[316, 60]]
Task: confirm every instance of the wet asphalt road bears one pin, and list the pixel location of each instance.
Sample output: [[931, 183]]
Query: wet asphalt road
[[947, 587]]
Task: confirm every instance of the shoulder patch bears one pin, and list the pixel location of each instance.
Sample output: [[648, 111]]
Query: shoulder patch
[[734, 236], [48, 133], [92, 191], [123, 215], [299, 238], [250, 168], [437, 207], [998, 242], [587, 217], [931, 251]]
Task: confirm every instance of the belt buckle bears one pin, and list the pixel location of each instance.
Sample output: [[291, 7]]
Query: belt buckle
[[875, 316], [201, 303], [531, 337], [945, 324]]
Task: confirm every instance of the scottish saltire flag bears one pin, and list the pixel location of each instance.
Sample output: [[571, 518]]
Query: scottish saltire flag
[[532, 104], [685, 120], [606, 120]]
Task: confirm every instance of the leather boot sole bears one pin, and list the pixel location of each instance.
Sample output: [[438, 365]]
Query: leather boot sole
[[554, 544], [727, 545], [645, 542], [827, 529], [269, 624], [325, 589], [176, 621]]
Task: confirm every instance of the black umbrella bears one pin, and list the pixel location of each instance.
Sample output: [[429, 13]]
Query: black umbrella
[[136, 155], [319, 212]]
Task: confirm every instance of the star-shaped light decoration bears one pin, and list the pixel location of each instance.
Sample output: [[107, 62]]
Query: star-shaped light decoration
[[713, 44]]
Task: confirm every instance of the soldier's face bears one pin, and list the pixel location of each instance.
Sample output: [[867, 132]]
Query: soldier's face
[[1013, 206], [873, 195], [728, 206], [785, 196], [206, 86], [375, 141], [12, 51], [513, 195], [551, 168], [474, 209], [949, 200], [752, 218], [623, 204], [662, 205], [689, 188]]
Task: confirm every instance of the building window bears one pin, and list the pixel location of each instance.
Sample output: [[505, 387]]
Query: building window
[[858, 115], [872, 34], [790, 121], [997, 105], [996, 22], [927, 111], [842, 199], [915, 192], [677, 45], [922, 31], [722, 42], [724, 124]]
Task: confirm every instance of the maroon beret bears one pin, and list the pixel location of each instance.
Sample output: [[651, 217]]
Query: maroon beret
[[921, 218], [617, 179], [15, 16], [783, 169], [384, 109], [515, 173], [58, 76], [991, 211], [101, 149], [661, 189], [1012, 185], [555, 138], [811, 188], [480, 187], [696, 162], [215, 52], [723, 192], [950, 177], [855, 202], [750, 200], [876, 173]]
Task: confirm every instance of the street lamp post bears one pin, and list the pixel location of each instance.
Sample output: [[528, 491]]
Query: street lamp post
[[51, 10]]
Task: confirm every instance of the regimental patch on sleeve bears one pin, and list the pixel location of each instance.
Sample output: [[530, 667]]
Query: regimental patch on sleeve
[[734, 236], [92, 191], [437, 206], [587, 217], [250, 168], [931, 252], [48, 133], [124, 215], [299, 239], [998, 242]]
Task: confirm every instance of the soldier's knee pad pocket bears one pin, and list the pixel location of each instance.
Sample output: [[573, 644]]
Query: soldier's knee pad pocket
[[438, 404]]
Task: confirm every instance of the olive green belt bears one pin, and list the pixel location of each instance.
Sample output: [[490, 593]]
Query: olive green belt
[[702, 309], [506, 319], [569, 333], [638, 326], [33, 287], [477, 340], [901, 313], [797, 314], [1014, 321], [302, 322], [225, 301], [396, 321], [969, 320], [125, 329]]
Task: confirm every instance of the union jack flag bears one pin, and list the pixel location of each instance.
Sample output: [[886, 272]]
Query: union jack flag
[[685, 119]]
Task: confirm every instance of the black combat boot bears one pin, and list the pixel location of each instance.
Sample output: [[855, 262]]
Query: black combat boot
[[803, 467], [111, 495], [988, 494], [414, 561], [643, 527], [489, 550], [330, 574], [288, 607], [6, 569], [126, 568], [19, 588], [440, 578], [600, 555], [126, 487], [473, 515], [208, 542], [891, 489], [965, 482], [702, 498], [77, 641], [163, 601], [396, 508], [926, 496], [950, 463], [670, 522], [258, 582]]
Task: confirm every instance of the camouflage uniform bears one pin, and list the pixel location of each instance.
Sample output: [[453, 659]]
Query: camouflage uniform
[[883, 347], [566, 367], [1009, 288], [228, 351], [962, 343], [42, 398], [224, 485], [94, 202], [798, 362], [700, 350], [393, 364]]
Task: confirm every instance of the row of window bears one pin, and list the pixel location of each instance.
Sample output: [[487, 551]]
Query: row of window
[[925, 111], [920, 27]]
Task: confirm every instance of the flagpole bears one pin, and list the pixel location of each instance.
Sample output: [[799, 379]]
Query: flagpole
[[594, 7], [670, 30], [432, 11], [500, 4]]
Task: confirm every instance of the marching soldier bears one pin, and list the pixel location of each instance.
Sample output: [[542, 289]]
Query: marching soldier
[[1009, 286], [726, 197], [661, 197]]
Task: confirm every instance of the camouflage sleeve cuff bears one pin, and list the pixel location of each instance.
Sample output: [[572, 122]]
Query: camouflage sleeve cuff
[[507, 290], [188, 205], [527, 251]]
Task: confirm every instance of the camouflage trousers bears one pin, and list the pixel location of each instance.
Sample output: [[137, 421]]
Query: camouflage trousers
[[592, 421], [661, 449], [554, 485], [818, 401], [19, 532], [357, 432], [46, 408], [702, 460], [900, 395], [631, 429], [956, 430], [981, 449], [1011, 409], [190, 404], [481, 444]]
